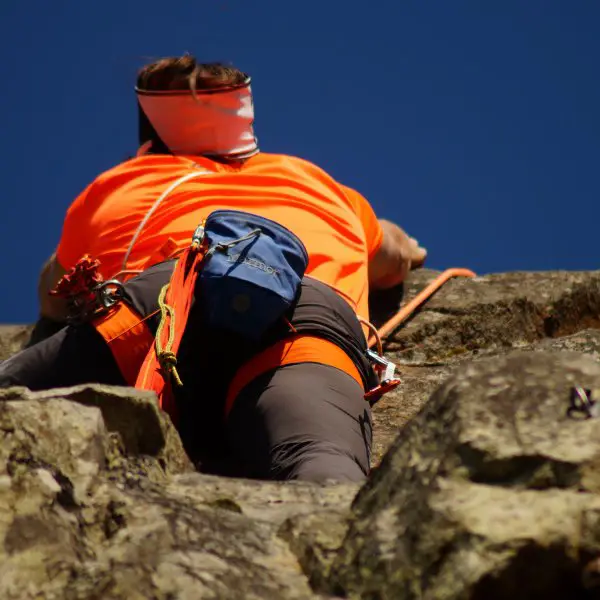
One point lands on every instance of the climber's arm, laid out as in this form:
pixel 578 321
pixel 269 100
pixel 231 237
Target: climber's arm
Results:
pixel 51 307
pixel 73 244
pixel 392 253
pixel 397 255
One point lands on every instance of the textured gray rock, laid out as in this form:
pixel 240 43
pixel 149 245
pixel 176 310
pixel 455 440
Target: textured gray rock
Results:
pixel 495 311
pixel 144 432
pixel 490 492
pixel 469 318
pixel 487 490
pixel 418 382
pixel 83 516
pixel 13 338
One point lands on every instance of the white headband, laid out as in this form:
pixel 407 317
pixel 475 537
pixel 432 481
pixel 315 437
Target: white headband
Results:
pixel 217 122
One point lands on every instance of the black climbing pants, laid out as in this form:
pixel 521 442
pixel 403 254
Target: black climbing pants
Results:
pixel 303 421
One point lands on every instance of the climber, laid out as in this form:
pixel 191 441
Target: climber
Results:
pixel 198 154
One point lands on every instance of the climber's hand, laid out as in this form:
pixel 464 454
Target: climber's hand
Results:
pixel 398 254
pixel 415 253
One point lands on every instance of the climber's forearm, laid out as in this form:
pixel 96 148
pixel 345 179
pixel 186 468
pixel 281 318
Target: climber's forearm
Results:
pixel 392 262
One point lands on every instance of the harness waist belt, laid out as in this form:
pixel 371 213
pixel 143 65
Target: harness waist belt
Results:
pixel 296 349
pixel 128 338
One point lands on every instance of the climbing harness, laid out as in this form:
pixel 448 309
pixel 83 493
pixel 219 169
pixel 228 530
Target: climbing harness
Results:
pixel 150 361
pixel 297 348
pixel 128 337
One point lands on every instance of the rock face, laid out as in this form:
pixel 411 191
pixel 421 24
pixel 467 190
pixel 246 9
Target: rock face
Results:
pixel 483 487
pixel 468 318
pixel 12 339
pixel 491 491
pixel 96 507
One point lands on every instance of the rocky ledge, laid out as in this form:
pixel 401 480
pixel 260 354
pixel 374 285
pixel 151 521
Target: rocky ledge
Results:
pixel 485 485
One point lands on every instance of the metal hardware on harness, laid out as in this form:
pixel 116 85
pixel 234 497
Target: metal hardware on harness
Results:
pixel 383 367
pixel 109 292
pixel 379 360
pixel 386 370
pixel 198 236
pixel 582 405
pixel 382 364
pixel 85 292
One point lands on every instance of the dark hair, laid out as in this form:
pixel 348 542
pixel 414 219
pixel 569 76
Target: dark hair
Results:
pixel 180 73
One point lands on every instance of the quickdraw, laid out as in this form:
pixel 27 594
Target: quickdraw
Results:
pixel 89 296
pixel 384 368
pixel 86 292
pixel 386 372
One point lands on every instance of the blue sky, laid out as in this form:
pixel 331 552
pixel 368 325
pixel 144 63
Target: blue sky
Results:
pixel 475 125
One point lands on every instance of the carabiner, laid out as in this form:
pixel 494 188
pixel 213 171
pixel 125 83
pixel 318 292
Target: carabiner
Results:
pixel 382 364
pixel 109 293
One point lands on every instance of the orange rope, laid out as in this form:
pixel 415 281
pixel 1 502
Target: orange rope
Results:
pixel 419 299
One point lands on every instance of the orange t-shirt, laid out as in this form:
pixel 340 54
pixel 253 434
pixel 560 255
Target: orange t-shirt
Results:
pixel 336 224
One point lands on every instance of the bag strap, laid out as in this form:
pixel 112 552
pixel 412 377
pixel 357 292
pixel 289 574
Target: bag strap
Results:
pixel 152 210
pixel 128 337
pixel 159 367
pixel 297 348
